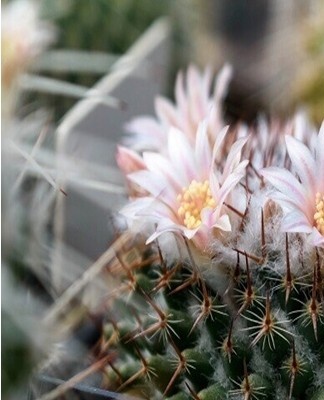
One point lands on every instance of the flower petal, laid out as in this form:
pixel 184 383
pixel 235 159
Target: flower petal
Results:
pixel 286 183
pixel 296 221
pixel 203 151
pixel 128 160
pixel 207 217
pixel 182 103
pixel 169 226
pixel 219 141
pixel 161 165
pixel 148 134
pixel 196 100
pixel 205 86
pixel 319 152
pixel 213 184
pixel 166 112
pixel 180 94
pixel 222 81
pixel 155 184
pixel 181 155
pixel 304 164
pixel 223 223
pixel 231 181
pixel 132 209
pixel 317 238
pixel 233 157
pixel 220 91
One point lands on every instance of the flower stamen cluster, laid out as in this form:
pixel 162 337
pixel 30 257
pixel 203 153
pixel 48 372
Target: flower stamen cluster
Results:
pixel 319 214
pixel 193 199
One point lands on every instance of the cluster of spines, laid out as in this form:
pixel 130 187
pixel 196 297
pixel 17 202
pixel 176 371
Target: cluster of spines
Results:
pixel 161 312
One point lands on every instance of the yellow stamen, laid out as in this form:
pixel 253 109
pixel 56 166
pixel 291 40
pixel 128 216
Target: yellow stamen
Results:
pixel 319 214
pixel 192 200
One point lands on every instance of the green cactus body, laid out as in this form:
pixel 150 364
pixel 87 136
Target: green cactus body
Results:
pixel 174 350
pixel 213 392
pixel 318 395
pixel 179 396
pixel 198 369
pixel 297 373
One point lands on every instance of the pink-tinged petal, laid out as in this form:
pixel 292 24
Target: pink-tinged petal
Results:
pixel 220 91
pixel 207 217
pixel 222 82
pixel 181 155
pixel 303 163
pixel 213 184
pixel 300 126
pixel 180 94
pixel 196 99
pixel 190 233
pixel 296 221
pixel 156 185
pixel 223 223
pixel 317 238
pixel 166 112
pixel 284 200
pixel 203 151
pixel 231 181
pixel 144 125
pixel 289 204
pixel 128 161
pixel 169 226
pixel 146 134
pixel 158 211
pixel 286 183
pixel 182 103
pixel 132 209
pixel 158 164
pixel 243 132
pixel 164 225
pixel 234 157
pixel 205 86
pixel 219 141
pixel 319 152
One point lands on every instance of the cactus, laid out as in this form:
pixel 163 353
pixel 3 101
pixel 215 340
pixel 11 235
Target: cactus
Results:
pixel 218 280
pixel 179 338
pixel 205 311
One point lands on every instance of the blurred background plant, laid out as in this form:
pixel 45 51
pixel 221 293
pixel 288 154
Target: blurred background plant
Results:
pixel 92 35
pixel 310 79
pixel 38 85
pixel 275 48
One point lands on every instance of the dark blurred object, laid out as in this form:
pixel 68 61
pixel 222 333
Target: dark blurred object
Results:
pixel 241 22
pixel 263 41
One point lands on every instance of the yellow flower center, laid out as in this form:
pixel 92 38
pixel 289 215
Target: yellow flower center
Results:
pixel 192 200
pixel 319 214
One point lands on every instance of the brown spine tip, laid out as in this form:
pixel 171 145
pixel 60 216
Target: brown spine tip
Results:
pixel 288 283
pixel 193 394
pixel 293 370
